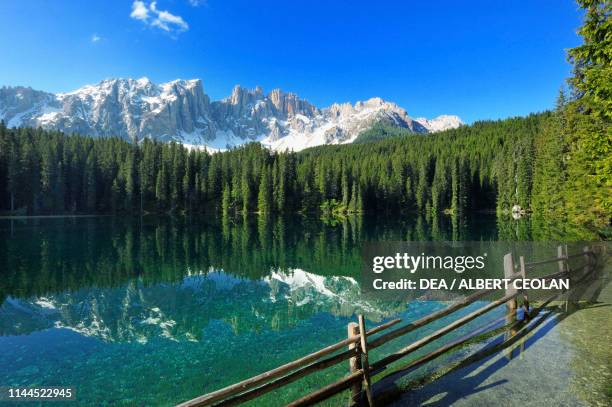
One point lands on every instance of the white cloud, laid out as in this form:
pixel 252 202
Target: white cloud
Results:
pixel 95 38
pixel 197 3
pixel 154 17
pixel 166 21
pixel 139 11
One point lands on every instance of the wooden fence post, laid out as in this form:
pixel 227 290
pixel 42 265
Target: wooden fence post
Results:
pixel 510 304
pixel 561 257
pixel 590 265
pixel 563 267
pixel 509 273
pixel 365 362
pixel 587 259
pixel 523 273
pixel 354 364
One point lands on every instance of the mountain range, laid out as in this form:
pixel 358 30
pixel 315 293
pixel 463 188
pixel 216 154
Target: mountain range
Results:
pixel 180 110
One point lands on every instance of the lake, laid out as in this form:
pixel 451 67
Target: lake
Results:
pixel 150 311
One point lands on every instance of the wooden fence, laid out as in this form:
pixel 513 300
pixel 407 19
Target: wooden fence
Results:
pixel 357 346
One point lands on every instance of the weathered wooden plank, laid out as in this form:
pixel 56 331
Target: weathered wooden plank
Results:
pixel 510 273
pixel 354 364
pixel 365 363
pixel 328 391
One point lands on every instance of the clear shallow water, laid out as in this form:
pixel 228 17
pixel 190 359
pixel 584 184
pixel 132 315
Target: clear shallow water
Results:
pixel 158 311
pixel 564 361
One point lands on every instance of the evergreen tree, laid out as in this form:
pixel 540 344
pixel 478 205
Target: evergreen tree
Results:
pixel 264 197
pixel 130 180
pixel 360 206
pixel 13 174
pixel 589 120
pixel 226 200
pixel 345 190
pixel 352 206
pixel 161 187
pixel 245 186
pixel 90 182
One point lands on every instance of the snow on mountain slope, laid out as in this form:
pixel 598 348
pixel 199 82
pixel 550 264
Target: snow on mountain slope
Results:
pixel 440 123
pixel 339 124
pixel 179 110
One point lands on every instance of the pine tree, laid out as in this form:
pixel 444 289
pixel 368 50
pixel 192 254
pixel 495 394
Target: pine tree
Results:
pixel 31 176
pixel 226 200
pixel 352 205
pixel 550 173
pixel 280 187
pixel 90 182
pixel 360 205
pixel 264 197
pixel 14 174
pixel 421 190
pixel 188 181
pixel 345 190
pixel 161 188
pixel 49 175
pixel 130 180
pixel 245 186
pixel 116 192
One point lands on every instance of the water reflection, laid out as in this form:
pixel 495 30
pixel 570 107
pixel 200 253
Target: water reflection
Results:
pixel 42 256
pixel 96 302
pixel 180 311
pixel 127 280
pixel 113 305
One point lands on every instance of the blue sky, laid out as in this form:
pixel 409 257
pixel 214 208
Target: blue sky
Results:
pixel 476 59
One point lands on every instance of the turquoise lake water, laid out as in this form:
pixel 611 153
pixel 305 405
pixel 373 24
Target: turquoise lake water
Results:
pixel 158 311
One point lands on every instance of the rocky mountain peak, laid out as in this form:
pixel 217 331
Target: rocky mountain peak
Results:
pixel 180 110
pixel 289 104
pixel 440 123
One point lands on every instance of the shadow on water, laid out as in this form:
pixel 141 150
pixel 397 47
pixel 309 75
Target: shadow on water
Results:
pixel 471 371
pixel 459 381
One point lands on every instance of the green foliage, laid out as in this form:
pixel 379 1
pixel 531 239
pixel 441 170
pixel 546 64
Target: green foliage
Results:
pixel 264 197
pixel 455 171
pixel 588 121
pixel 573 162
pixel 557 165
pixel 380 131
pixel 592 79
pixel 550 170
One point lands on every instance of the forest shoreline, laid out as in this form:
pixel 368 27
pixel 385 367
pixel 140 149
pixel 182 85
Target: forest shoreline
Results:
pixel 53 216
pixel 313 215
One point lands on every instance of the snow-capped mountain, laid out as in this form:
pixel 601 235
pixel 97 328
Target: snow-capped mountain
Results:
pixel 180 110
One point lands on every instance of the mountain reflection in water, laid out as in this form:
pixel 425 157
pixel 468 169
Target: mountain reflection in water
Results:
pixel 156 311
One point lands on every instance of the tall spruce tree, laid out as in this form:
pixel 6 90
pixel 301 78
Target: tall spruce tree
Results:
pixel 264 197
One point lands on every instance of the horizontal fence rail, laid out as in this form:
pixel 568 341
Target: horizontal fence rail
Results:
pixel 554 260
pixel 213 397
pixel 356 347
